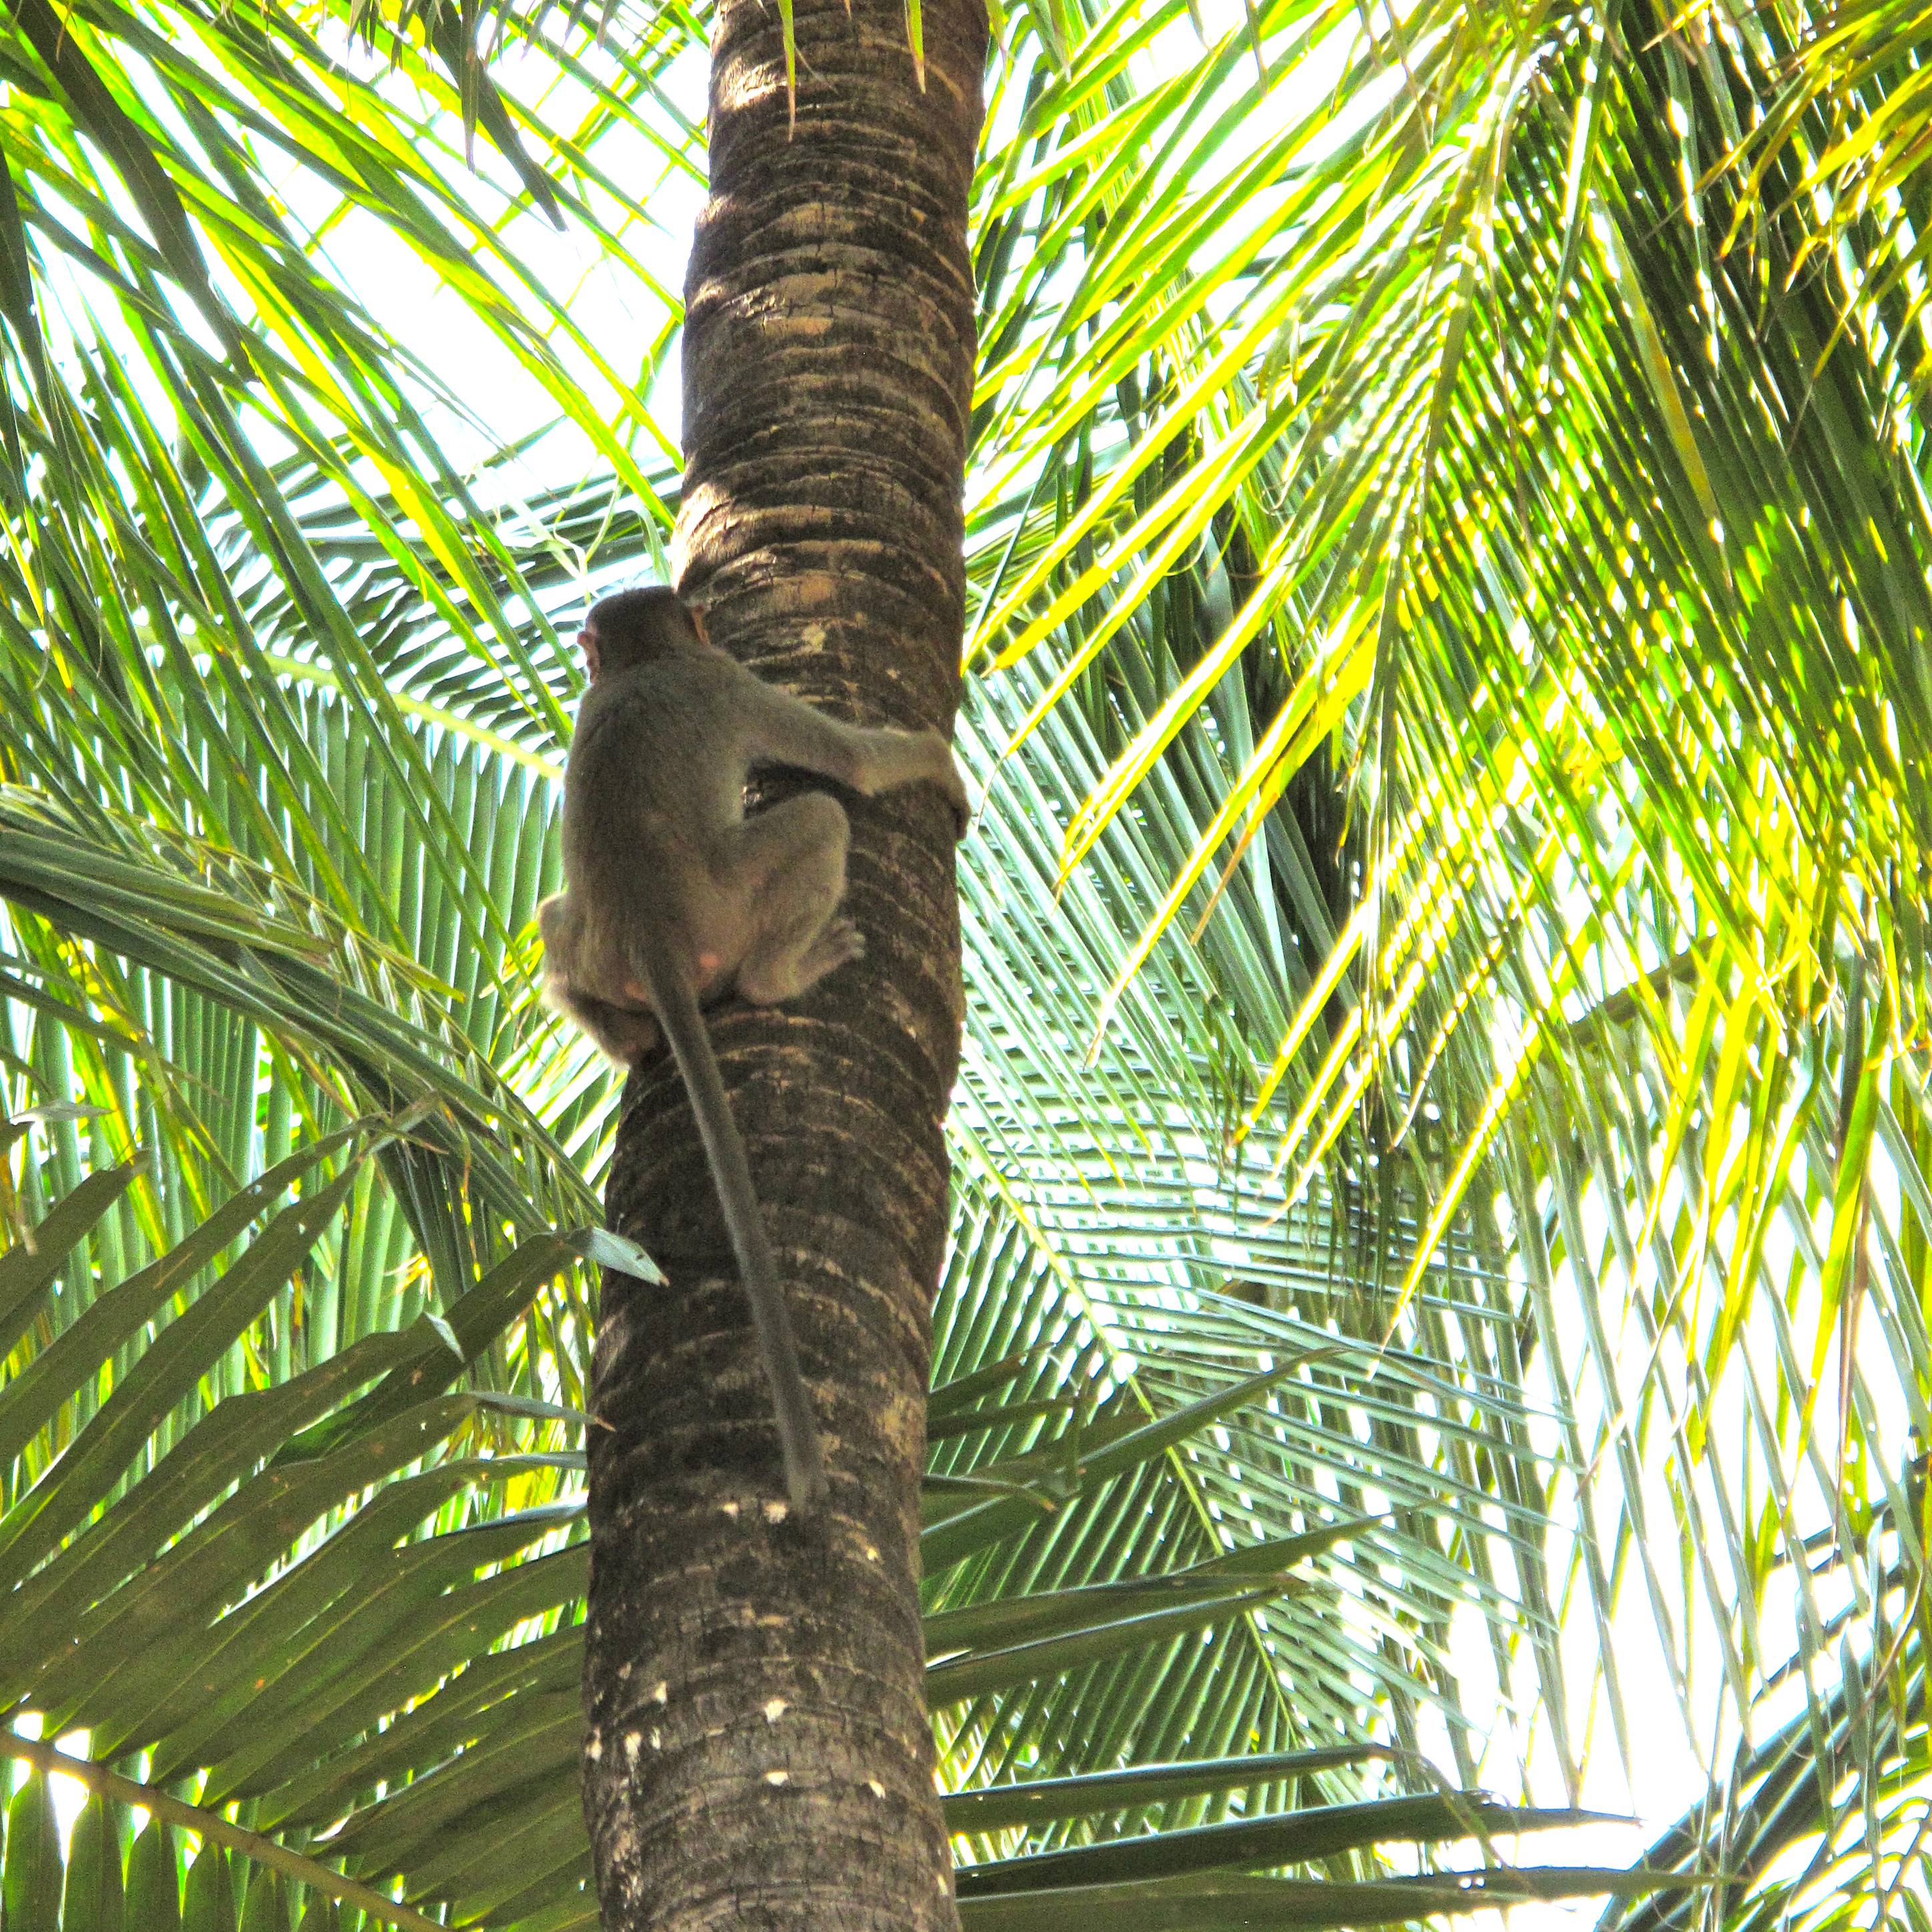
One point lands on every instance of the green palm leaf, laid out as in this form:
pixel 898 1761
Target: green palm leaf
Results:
pixel 1444 1163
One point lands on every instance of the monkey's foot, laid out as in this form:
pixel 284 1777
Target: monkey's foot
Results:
pixel 840 941
pixel 767 982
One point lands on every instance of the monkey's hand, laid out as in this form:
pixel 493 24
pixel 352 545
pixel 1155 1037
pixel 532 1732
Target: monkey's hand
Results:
pixel 884 759
pixel 931 758
pixel 954 787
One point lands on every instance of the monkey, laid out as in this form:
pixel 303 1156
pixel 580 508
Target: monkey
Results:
pixel 674 899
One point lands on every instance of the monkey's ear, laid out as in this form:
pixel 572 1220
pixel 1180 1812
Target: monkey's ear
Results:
pixel 587 642
pixel 696 612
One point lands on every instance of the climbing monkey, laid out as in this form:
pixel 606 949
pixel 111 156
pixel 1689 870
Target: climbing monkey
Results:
pixel 674 899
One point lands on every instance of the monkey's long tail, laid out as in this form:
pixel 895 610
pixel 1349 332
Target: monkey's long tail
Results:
pixel 676 1005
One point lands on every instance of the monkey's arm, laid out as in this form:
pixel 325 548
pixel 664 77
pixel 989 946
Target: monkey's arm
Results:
pixel 782 729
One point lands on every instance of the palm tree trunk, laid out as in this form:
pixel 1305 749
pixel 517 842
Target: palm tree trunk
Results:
pixel 758 1752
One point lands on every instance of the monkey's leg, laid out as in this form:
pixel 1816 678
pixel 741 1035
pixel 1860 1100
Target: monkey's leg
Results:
pixel 557 923
pixel 623 1033
pixel 786 869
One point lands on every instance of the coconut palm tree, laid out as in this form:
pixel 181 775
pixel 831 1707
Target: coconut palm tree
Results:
pixel 1431 1333
pixel 773 1662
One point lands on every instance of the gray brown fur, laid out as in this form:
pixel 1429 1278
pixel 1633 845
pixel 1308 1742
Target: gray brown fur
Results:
pixel 673 897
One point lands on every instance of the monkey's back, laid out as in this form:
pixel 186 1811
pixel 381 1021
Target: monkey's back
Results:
pixel 655 777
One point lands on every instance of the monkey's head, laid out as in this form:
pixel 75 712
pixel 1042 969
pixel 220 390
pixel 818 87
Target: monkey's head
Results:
pixel 633 627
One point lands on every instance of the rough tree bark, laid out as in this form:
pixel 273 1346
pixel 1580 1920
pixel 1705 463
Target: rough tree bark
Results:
pixel 758 1753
